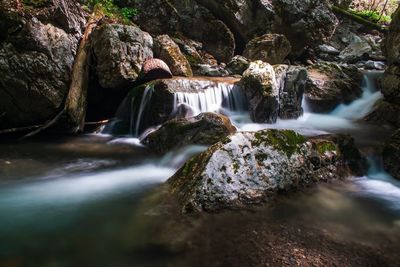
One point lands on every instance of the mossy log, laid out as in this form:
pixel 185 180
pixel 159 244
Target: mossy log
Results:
pixel 359 19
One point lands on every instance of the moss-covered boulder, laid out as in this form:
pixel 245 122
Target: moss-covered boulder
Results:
pixel 167 50
pixel 252 167
pixel 204 129
pixel 271 48
pixel 330 84
pixel 237 65
pixel 391 155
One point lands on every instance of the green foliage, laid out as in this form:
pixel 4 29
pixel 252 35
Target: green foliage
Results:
pixel 373 16
pixel 112 10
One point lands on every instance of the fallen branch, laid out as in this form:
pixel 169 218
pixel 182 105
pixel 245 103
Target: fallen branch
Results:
pixel 20 129
pixel 72 117
pixel 359 19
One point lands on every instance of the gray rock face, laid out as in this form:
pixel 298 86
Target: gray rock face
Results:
pixel 271 48
pixel 291 92
pixel 36 58
pixel 167 50
pixel 211 71
pixel 204 129
pixel 306 23
pixel 330 84
pixel 249 168
pixel 391 155
pixel 262 92
pixel 120 52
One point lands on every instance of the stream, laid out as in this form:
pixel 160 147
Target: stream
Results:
pixel 89 200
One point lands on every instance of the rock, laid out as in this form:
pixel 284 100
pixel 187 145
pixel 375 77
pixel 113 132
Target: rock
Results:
pixel 238 65
pixel 306 23
pixel 253 167
pixel 190 49
pixel 330 84
pixel 169 17
pixel 356 51
pixel 211 71
pixel 384 112
pixel 328 49
pixel 345 4
pixel 245 18
pixel 374 65
pixel 167 50
pixel 271 48
pixel 204 129
pixel 391 79
pixel 154 69
pixel 391 155
pixel 262 92
pixel 36 58
pixel 120 51
pixel 291 92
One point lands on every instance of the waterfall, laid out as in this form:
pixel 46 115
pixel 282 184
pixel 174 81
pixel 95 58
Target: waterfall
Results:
pixel 213 99
pixel 148 92
pixel 359 108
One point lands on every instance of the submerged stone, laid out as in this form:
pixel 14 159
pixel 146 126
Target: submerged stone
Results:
pixel 204 129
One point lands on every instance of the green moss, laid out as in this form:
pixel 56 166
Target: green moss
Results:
pixel 235 167
pixel 325 146
pixel 287 141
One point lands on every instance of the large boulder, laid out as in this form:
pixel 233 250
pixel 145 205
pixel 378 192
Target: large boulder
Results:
pixel 330 84
pixel 271 48
pixel 167 50
pixel 253 167
pixel 384 112
pixel 391 155
pixel 306 23
pixel 262 92
pixel 204 129
pixel 119 52
pixel 154 69
pixel 37 51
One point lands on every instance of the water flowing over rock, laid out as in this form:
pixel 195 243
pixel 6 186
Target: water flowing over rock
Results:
pixel 154 103
pixel 271 48
pixel 391 155
pixel 306 23
pixel 166 49
pixel 253 167
pixel 330 84
pixel 37 52
pixel 120 52
pixel 204 129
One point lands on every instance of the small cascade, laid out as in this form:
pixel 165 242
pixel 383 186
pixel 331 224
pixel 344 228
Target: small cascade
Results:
pixel 213 99
pixel 359 108
pixel 148 92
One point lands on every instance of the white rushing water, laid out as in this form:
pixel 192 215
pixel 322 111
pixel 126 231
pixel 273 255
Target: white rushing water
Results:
pixel 213 99
pixel 359 108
